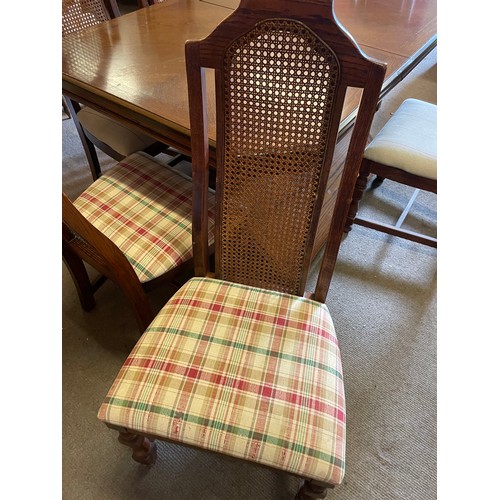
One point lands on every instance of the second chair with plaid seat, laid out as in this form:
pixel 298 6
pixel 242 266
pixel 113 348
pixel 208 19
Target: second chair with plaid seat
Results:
pixel 241 361
pixel 133 225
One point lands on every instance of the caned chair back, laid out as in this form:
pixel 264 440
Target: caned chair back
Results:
pixel 80 14
pixel 281 77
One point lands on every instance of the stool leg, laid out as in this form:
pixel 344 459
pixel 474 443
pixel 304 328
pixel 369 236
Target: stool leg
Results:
pixel 359 189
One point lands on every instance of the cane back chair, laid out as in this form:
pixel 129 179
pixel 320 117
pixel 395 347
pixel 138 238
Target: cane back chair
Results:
pixel 94 128
pixel 132 225
pixel 241 360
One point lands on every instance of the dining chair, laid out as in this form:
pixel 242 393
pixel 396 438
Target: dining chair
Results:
pixel 404 151
pixel 132 225
pixel 242 360
pixel 96 129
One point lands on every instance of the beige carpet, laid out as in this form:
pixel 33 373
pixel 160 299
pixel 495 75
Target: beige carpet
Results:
pixel 383 301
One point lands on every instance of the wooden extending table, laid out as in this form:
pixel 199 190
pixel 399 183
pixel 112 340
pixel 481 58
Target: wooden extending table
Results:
pixel 132 67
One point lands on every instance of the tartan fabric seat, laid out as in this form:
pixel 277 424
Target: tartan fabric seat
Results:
pixel 145 209
pixel 247 372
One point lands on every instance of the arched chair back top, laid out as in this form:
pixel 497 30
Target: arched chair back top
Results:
pixel 281 76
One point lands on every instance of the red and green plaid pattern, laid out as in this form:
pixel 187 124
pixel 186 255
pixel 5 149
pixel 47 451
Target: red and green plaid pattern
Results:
pixel 145 209
pixel 243 371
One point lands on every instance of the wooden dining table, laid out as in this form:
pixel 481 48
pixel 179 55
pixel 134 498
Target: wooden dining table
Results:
pixel 132 68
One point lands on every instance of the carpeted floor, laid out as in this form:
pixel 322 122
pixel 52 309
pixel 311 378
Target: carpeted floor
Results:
pixel 383 301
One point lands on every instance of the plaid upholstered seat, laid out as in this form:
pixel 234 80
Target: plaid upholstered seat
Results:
pixel 247 372
pixel 145 209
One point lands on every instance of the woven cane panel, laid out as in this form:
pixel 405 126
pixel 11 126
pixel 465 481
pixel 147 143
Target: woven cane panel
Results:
pixel 280 81
pixel 80 14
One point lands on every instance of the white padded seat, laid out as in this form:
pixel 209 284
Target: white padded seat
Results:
pixel 117 136
pixel 408 141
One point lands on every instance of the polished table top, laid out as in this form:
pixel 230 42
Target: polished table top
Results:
pixel 133 67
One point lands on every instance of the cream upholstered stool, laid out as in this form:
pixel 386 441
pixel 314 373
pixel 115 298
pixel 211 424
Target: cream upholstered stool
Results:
pixel 404 151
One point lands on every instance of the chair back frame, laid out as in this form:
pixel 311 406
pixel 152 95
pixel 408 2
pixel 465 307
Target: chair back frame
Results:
pixel 353 69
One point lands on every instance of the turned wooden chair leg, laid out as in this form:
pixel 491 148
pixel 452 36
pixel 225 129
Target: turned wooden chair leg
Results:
pixel 359 189
pixel 312 489
pixel 143 448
